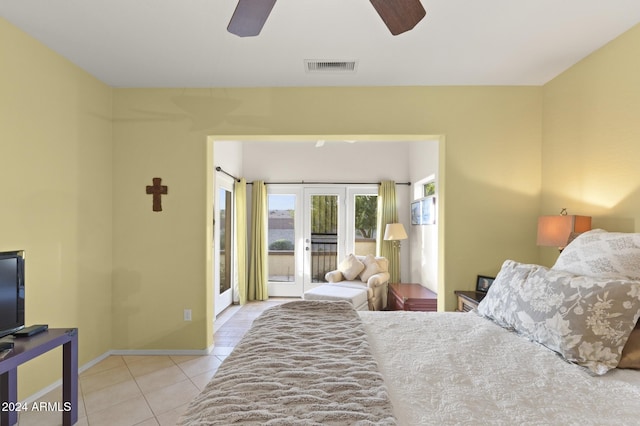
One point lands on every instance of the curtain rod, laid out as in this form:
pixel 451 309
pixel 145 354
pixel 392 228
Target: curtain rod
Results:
pixel 302 182
pixel 219 169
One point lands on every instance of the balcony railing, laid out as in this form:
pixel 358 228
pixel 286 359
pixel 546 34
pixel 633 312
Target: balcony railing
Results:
pixel 324 254
pixel 323 259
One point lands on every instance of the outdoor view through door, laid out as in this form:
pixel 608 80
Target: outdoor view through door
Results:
pixel 323 241
pixel 223 244
pixel 311 229
pixel 282 237
pixel 225 240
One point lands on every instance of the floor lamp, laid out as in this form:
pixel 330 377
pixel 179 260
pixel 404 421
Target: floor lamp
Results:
pixel 395 232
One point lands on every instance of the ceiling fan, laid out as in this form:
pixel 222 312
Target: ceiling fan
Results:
pixel 398 15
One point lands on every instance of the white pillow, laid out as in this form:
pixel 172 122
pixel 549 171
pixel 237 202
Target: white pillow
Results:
pixel 351 267
pixel 372 267
pixel 601 254
pixel 384 263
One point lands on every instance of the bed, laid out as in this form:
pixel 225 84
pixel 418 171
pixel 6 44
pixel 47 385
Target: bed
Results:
pixel 545 347
pixel 488 375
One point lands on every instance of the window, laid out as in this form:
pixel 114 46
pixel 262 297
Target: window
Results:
pixel 429 189
pixel 365 222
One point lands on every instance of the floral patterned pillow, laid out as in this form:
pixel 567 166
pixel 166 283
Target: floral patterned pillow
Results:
pixel 599 253
pixel 586 320
pixel 501 303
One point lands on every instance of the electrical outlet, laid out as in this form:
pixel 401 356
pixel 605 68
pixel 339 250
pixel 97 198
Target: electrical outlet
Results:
pixel 187 314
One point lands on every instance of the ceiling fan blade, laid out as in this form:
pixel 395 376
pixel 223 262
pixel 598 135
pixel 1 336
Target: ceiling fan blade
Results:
pixel 399 15
pixel 249 17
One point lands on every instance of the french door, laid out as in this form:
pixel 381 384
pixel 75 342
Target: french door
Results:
pixel 223 243
pixel 307 236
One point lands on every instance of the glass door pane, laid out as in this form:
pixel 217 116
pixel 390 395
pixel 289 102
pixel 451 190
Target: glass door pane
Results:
pixel 324 233
pixel 223 250
pixel 284 240
pixel 226 232
pixel 324 236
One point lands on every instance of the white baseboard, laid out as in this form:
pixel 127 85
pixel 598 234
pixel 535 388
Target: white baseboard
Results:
pixel 42 392
pixel 162 351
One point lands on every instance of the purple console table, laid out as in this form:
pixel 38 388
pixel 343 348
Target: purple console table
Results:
pixel 27 348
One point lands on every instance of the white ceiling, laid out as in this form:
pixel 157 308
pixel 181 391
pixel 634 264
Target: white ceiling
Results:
pixel 184 43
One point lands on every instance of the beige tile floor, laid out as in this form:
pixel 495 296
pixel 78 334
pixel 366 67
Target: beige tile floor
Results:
pixel 149 390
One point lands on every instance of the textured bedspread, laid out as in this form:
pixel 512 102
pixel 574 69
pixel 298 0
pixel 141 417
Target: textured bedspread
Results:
pixel 301 363
pixel 461 369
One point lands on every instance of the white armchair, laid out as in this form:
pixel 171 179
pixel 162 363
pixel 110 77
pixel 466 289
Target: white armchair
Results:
pixel 364 271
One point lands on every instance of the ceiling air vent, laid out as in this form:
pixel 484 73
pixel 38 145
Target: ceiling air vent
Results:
pixel 316 66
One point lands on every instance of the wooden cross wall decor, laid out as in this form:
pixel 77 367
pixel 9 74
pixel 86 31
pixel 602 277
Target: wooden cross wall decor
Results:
pixel 157 190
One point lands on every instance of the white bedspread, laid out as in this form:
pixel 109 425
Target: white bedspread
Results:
pixel 453 368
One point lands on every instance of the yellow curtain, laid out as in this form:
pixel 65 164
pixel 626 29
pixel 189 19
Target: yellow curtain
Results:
pixel 240 191
pixel 258 256
pixel 388 213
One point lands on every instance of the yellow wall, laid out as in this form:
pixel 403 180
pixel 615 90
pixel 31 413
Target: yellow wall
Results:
pixel 56 201
pixel 492 182
pixel 159 257
pixel 591 139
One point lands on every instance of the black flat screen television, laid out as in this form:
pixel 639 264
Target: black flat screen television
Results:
pixel 11 292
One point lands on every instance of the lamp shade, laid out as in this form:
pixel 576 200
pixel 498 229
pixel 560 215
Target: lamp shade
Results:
pixel 555 231
pixel 395 231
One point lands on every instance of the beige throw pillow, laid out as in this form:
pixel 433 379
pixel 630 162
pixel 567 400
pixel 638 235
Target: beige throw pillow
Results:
pixel 351 267
pixel 631 352
pixel 372 267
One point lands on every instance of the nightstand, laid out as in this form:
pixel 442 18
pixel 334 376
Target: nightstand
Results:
pixel 468 300
pixel 411 297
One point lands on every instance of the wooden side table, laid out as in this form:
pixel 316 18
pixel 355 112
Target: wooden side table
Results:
pixel 411 297
pixel 27 348
pixel 468 300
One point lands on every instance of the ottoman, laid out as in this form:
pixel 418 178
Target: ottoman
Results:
pixel 357 295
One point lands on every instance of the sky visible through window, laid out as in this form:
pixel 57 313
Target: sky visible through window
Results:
pixel 282 202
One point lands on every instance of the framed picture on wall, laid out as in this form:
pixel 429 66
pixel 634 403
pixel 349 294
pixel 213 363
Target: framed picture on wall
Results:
pixel 428 209
pixel 416 213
